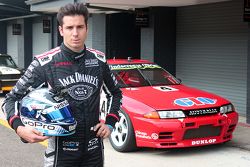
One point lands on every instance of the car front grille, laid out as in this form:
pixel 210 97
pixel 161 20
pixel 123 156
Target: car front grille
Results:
pixel 165 135
pixel 10 76
pixel 201 112
pixel 202 131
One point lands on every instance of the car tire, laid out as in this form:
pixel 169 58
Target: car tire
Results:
pixel 122 138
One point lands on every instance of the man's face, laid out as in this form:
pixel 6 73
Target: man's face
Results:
pixel 74 32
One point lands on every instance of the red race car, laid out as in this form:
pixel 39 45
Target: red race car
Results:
pixel 158 111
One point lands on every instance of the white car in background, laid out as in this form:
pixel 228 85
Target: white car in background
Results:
pixel 9 73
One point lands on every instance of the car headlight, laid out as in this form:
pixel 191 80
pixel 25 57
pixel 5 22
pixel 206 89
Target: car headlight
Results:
pixel 226 109
pixel 165 114
pixel 171 114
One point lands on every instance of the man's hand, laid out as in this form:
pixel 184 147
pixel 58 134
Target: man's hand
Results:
pixel 102 130
pixel 30 135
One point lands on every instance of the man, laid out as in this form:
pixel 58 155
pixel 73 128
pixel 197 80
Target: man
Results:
pixel 83 72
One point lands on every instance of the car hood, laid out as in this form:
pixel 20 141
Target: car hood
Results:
pixel 173 97
pixel 8 70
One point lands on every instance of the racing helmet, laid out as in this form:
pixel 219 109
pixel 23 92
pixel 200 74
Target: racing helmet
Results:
pixel 47 112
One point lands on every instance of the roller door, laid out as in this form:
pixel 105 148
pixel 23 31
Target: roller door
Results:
pixel 211 50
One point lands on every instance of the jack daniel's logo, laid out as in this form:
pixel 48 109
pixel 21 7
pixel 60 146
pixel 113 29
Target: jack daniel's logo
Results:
pixel 80 92
pixel 77 77
pixel 82 85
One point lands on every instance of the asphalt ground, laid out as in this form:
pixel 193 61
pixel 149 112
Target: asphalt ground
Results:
pixel 14 153
pixel 241 135
pixel 236 153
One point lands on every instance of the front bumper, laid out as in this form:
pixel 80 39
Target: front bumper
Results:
pixel 7 84
pixel 188 132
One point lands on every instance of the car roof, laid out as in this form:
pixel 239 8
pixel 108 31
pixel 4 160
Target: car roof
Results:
pixel 127 61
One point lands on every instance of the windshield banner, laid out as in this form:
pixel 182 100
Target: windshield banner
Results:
pixel 133 66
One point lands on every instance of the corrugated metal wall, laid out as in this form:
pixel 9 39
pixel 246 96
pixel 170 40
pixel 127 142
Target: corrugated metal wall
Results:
pixel 211 49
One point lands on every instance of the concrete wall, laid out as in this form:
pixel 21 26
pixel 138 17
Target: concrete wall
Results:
pixel 41 41
pixel 88 41
pixel 15 43
pixel 99 32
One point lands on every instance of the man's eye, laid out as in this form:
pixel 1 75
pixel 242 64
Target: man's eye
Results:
pixel 81 27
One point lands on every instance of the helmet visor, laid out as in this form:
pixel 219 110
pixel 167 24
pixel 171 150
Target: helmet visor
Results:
pixel 60 114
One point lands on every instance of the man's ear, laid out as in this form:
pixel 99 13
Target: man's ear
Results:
pixel 60 30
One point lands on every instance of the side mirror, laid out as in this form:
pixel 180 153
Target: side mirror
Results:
pixel 179 80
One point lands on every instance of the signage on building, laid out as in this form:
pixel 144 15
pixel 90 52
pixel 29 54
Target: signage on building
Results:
pixel 16 29
pixel 46 26
pixel 142 17
pixel 246 10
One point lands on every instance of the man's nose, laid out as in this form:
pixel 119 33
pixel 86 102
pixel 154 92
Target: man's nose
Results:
pixel 75 31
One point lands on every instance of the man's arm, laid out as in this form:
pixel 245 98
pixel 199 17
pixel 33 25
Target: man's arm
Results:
pixel 114 96
pixel 32 78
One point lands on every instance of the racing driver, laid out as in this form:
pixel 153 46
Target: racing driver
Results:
pixel 83 72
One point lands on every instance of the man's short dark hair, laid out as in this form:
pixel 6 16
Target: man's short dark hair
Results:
pixel 72 9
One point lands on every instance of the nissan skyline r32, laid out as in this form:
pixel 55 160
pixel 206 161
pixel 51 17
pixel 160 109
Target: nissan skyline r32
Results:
pixel 158 111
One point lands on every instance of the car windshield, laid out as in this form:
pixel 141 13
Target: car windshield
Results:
pixel 7 62
pixel 138 75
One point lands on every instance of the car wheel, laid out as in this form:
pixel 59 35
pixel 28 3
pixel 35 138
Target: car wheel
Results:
pixel 122 138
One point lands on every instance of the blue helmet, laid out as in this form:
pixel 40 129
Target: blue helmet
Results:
pixel 48 113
